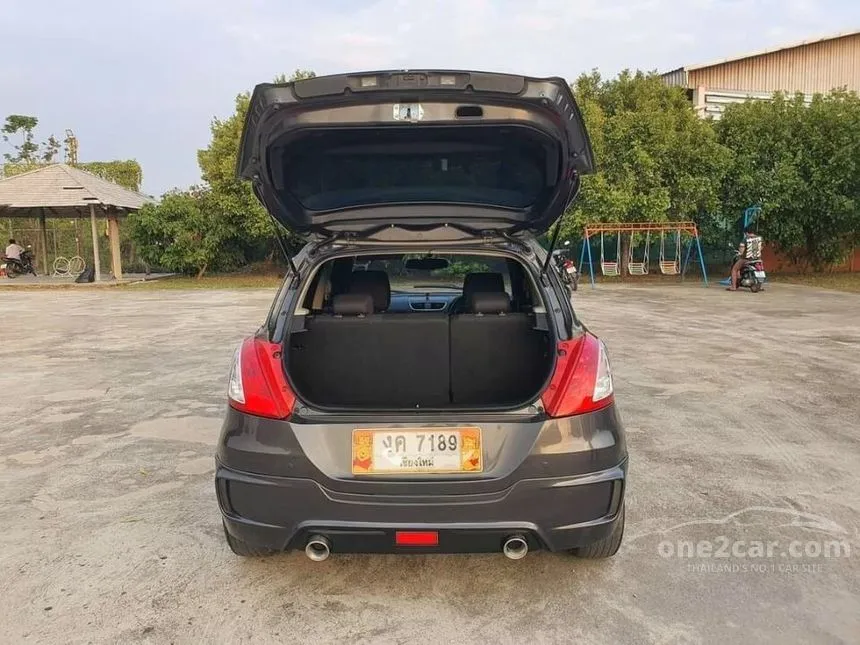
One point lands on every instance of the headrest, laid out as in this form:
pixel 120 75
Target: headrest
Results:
pixel 352 304
pixel 489 303
pixel 486 282
pixel 374 283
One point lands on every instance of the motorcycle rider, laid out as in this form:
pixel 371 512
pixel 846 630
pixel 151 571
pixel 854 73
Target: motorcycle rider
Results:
pixel 13 251
pixel 749 250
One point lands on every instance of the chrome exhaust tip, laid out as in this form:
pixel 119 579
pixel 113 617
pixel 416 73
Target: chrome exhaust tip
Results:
pixel 318 548
pixel 515 547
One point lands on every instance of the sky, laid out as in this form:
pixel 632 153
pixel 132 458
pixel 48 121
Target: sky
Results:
pixel 143 80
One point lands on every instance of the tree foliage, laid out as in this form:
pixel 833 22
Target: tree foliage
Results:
pixel 27 151
pixel 218 169
pixel 126 173
pixel 656 160
pixel 801 163
pixel 187 232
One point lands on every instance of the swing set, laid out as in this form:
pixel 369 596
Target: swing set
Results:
pixel 638 262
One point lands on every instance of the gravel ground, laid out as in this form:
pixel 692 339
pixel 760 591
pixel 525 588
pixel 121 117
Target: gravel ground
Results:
pixel 743 417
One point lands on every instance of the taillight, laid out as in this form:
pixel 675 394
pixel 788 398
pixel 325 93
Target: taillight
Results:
pixel 257 384
pixel 582 381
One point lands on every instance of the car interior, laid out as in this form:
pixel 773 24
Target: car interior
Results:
pixel 439 338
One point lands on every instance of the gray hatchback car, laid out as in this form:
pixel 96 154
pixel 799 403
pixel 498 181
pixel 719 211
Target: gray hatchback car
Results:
pixel 422 383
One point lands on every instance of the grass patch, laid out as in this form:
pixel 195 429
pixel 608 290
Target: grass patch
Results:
pixel 849 282
pixel 224 281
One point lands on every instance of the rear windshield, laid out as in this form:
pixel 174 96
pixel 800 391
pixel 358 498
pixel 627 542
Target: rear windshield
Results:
pixel 508 168
pixel 410 276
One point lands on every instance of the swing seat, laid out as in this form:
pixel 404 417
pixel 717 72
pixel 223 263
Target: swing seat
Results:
pixel 670 268
pixel 637 268
pixel 609 268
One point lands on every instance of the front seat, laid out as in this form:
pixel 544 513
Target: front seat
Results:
pixel 373 283
pixel 473 283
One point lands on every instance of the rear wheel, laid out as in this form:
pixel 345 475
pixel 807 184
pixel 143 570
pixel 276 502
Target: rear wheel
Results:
pixel 608 546
pixel 242 548
pixel 755 287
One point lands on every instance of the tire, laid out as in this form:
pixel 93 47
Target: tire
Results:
pixel 605 548
pixel 755 287
pixel 243 549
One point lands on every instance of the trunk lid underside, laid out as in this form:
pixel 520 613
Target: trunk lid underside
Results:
pixel 415 150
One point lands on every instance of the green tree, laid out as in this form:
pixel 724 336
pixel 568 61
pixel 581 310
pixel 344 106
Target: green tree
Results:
pixel 187 232
pixel 801 163
pixel 50 149
pixel 27 150
pixel 218 169
pixel 656 160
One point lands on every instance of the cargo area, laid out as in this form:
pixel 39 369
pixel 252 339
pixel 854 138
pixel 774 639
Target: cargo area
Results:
pixel 362 345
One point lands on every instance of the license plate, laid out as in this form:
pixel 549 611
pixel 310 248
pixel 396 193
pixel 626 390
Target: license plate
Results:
pixel 421 450
pixel 760 275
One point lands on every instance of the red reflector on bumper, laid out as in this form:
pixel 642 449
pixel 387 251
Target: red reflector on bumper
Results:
pixel 416 538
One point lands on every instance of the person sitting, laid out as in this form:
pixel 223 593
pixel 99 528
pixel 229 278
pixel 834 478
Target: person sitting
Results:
pixel 749 250
pixel 13 251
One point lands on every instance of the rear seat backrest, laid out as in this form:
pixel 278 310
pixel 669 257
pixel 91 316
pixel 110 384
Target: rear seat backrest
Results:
pixel 352 304
pixel 493 352
pixel 357 358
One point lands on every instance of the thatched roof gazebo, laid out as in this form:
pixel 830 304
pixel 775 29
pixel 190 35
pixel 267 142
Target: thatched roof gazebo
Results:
pixel 61 191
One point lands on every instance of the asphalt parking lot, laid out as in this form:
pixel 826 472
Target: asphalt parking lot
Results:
pixel 743 414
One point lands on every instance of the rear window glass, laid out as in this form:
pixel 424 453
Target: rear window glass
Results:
pixel 326 172
pixel 403 278
pixel 410 276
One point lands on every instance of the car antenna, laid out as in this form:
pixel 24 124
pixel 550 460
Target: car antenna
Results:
pixel 551 248
pixel 283 246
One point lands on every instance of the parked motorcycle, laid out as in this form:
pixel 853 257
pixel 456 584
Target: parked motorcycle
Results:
pixel 14 267
pixel 566 266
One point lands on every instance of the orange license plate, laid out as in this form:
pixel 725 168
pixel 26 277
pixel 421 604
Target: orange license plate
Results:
pixel 417 450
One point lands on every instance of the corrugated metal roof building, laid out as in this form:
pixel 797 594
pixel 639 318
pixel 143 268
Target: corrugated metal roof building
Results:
pixel 810 67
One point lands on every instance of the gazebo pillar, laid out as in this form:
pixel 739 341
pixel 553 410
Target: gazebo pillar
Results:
pixel 95 232
pixel 43 233
pixel 115 257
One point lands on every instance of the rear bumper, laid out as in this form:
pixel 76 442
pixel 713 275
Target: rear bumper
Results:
pixel 557 500
pixel 554 514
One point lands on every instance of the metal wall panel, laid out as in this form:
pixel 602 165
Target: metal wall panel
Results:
pixel 675 78
pixel 817 67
